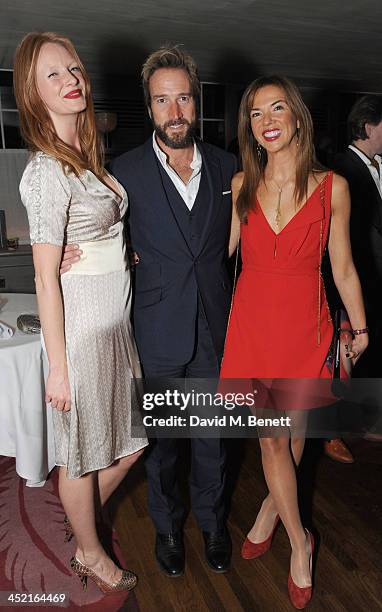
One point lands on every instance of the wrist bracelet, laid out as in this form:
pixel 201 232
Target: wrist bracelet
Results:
pixel 357 332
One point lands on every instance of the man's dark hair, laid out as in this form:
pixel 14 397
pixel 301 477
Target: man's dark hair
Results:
pixel 367 109
pixel 170 57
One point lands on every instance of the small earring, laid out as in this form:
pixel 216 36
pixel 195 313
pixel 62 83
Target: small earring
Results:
pixel 298 136
pixel 259 149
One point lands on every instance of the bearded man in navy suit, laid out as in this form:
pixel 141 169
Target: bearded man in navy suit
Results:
pixel 179 191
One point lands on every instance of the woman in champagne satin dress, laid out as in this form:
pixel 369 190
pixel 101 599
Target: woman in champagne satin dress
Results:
pixel 286 209
pixel 85 316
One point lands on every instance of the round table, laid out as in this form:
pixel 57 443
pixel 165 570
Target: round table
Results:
pixel 26 430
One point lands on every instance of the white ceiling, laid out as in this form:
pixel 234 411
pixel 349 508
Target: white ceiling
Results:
pixel 316 41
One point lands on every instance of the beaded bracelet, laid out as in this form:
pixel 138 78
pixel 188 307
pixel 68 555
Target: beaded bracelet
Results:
pixel 357 332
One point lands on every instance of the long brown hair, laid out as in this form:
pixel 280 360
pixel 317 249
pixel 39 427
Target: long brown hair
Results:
pixel 36 125
pixel 254 157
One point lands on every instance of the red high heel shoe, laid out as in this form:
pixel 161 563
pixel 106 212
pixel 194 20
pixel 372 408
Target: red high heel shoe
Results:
pixel 252 550
pixel 301 596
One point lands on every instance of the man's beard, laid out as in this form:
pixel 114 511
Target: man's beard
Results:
pixel 177 141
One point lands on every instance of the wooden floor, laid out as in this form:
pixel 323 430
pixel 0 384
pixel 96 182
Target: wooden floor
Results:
pixel 342 503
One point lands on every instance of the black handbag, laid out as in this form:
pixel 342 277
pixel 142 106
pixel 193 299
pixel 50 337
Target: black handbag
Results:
pixel 337 353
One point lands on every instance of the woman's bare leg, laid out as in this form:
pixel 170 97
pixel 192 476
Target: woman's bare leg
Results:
pixel 280 475
pixel 267 513
pixel 109 478
pixel 296 432
pixel 77 497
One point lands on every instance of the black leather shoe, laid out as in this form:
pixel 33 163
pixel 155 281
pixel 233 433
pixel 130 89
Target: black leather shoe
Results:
pixel 169 552
pixel 218 549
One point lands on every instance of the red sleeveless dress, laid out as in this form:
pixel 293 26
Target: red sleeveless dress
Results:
pixel 280 326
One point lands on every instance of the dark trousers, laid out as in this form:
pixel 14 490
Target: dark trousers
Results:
pixel 207 454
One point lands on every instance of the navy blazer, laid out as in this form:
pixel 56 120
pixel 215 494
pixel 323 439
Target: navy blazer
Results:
pixel 169 276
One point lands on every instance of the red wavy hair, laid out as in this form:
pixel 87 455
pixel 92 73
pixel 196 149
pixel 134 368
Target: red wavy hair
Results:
pixel 36 126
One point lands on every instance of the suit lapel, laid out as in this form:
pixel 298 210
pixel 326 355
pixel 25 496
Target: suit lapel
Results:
pixel 212 169
pixel 371 189
pixel 164 208
pixel 366 176
pixel 156 192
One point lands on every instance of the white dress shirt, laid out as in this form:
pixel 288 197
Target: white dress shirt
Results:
pixel 373 171
pixel 188 191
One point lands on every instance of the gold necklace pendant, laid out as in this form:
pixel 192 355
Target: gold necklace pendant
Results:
pixel 278 207
pixel 278 210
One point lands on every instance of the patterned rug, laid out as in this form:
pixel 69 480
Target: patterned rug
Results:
pixel 33 555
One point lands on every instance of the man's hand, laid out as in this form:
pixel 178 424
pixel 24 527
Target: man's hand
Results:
pixel 70 255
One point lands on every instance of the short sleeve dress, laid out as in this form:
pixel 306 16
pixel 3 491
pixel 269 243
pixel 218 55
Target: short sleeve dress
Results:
pixel 102 358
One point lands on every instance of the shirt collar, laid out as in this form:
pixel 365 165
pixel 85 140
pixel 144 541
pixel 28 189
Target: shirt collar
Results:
pixel 196 163
pixel 364 157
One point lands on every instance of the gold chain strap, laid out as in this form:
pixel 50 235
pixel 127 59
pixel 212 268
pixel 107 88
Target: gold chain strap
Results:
pixel 320 280
pixel 233 292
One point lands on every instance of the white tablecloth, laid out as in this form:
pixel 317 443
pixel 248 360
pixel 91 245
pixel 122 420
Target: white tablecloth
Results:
pixel 26 430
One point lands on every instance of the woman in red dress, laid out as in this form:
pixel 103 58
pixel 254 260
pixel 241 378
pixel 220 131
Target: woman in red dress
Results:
pixel 286 209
